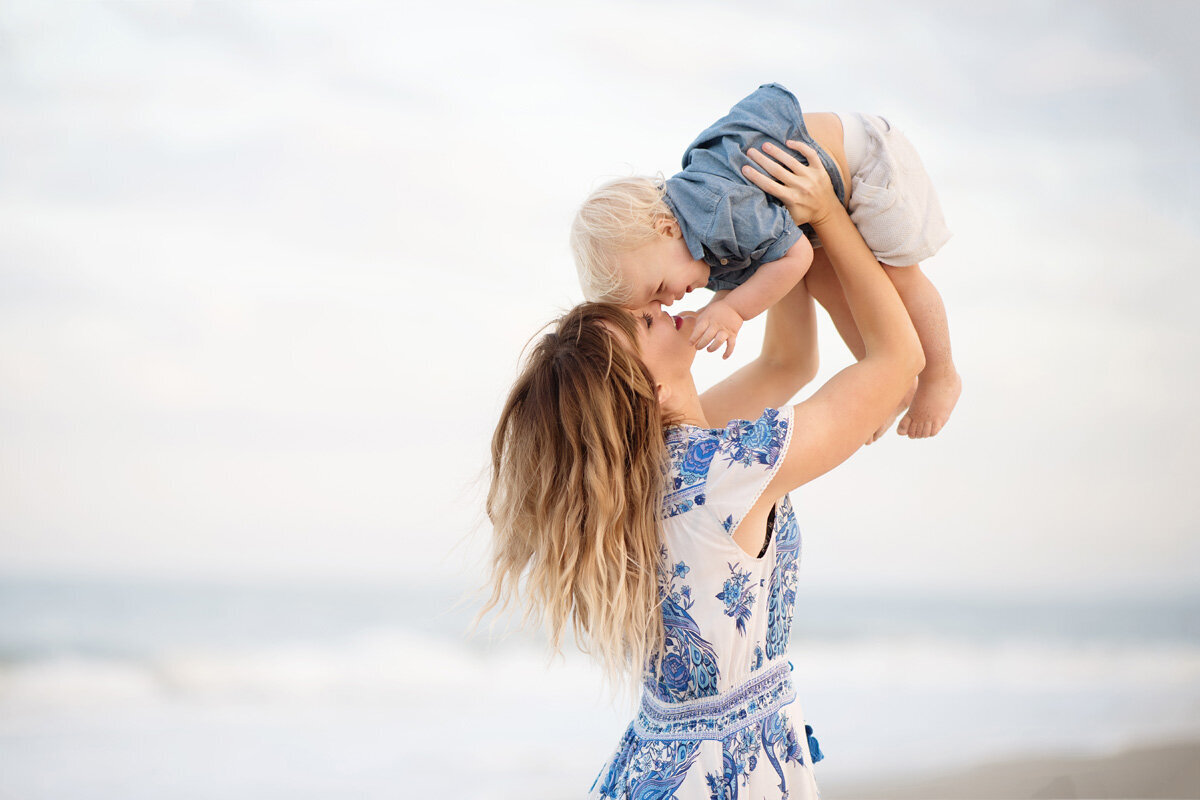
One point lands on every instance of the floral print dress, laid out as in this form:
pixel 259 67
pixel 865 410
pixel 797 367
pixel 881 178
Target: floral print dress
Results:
pixel 718 718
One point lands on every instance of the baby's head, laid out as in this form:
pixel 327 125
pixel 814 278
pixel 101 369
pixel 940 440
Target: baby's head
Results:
pixel 629 248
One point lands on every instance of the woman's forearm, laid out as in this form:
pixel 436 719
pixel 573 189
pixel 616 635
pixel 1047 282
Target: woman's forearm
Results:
pixel 787 362
pixel 790 341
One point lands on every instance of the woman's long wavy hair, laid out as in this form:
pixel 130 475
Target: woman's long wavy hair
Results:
pixel 576 491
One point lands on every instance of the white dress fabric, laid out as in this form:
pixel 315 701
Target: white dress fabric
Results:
pixel 718 718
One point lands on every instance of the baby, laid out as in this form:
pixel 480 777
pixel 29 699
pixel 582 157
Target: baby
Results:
pixel 639 240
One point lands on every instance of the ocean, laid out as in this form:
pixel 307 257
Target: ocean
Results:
pixel 198 690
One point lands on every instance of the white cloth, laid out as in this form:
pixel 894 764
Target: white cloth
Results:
pixel 892 200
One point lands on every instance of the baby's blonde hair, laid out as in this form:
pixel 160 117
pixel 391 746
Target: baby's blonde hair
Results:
pixel 618 216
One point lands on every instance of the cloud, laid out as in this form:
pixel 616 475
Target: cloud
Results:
pixel 266 272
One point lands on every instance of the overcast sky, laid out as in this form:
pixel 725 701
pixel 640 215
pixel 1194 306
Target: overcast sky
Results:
pixel 266 270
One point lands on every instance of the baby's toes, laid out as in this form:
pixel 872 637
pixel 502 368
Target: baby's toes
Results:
pixel 906 422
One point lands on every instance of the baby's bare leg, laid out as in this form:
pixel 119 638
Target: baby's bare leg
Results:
pixel 827 289
pixel 938 385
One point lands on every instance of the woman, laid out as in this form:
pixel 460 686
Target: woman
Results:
pixel 685 576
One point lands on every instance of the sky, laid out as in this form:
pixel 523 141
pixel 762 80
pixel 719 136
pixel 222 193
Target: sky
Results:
pixel 266 271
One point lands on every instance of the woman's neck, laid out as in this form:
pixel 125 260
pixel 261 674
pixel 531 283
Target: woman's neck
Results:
pixel 685 408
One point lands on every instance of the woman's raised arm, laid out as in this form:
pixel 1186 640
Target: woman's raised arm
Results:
pixel 787 362
pixel 841 416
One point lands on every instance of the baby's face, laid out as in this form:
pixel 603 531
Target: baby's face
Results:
pixel 661 270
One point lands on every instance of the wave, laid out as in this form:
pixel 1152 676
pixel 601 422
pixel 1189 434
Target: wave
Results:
pixel 402 665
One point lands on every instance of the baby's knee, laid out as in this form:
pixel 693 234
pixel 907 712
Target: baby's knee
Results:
pixel 904 276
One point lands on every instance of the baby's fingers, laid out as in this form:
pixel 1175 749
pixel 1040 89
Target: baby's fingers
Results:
pixel 717 341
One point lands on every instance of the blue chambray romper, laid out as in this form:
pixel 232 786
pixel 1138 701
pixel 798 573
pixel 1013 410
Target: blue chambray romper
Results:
pixel 726 221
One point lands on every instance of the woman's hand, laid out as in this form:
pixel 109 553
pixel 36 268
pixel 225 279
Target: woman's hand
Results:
pixel 805 191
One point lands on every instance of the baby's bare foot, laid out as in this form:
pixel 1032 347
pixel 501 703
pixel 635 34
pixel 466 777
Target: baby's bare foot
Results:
pixel 882 429
pixel 931 406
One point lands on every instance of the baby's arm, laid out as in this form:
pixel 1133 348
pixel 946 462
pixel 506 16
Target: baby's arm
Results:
pixel 718 323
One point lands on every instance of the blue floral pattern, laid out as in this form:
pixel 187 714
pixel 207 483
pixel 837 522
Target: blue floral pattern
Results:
pixel 647 769
pixel 779 744
pixel 739 599
pixel 781 589
pixel 689 459
pixel 689 662
pixel 739 758
pixel 721 676
pixel 757 442
pixel 679 592
pixel 774 738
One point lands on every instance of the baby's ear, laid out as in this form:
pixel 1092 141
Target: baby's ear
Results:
pixel 668 226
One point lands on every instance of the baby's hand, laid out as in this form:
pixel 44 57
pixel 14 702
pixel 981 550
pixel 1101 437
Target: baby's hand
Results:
pixel 717 324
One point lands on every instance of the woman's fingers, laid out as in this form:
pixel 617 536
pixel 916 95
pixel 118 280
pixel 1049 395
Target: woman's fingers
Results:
pixel 773 167
pixel 762 181
pixel 789 160
pixel 802 188
pixel 810 153
pixel 815 169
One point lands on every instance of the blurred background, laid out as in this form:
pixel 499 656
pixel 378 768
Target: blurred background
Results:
pixel 266 270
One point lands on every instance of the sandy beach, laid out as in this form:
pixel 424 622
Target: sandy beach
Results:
pixel 1167 770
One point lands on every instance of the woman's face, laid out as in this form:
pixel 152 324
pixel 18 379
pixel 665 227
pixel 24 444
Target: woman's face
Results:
pixel 666 351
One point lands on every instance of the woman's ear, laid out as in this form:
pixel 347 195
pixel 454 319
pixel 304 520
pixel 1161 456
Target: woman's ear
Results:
pixel 663 393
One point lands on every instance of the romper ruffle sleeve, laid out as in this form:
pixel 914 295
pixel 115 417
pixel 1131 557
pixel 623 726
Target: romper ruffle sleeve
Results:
pixel 732 226
pixel 727 221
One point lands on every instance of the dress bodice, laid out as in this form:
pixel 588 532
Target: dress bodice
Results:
pixel 726 614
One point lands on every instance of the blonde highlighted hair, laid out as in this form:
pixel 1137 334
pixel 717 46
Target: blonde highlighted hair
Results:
pixel 577 480
pixel 620 215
